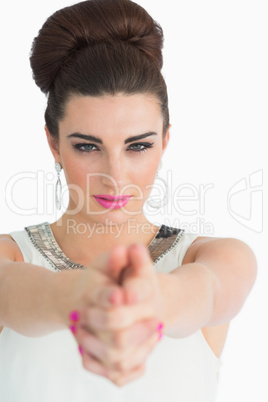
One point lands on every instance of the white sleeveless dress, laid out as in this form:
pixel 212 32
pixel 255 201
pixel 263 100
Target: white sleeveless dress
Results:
pixel 49 368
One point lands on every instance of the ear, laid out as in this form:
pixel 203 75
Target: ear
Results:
pixel 53 145
pixel 166 140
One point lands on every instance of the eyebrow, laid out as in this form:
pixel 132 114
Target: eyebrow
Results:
pixel 98 140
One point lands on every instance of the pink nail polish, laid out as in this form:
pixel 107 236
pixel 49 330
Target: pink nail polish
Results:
pixel 80 350
pixel 160 327
pixel 73 328
pixel 113 297
pixel 74 315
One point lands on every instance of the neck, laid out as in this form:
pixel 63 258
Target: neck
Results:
pixel 84 238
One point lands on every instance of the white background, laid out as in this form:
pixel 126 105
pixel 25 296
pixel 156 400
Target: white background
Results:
pixel 215 66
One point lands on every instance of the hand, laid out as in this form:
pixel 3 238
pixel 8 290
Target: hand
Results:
pixel 118 355
pixel 137 296
pixel 120 329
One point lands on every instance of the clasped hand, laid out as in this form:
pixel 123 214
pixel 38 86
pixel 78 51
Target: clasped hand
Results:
pixel 120 313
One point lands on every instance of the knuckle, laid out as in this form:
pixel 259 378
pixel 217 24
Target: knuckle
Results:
pixel 86 363
pixel 120 366
pixel 84 337
pixel 92 365
pixel 99 319
pixel 117 317
pixel 114 318
pixel 108 319
pixel 113 376
pixel 112 358
pixel 118 340
pixel 89 316
pixel 108 356
pixel 115 361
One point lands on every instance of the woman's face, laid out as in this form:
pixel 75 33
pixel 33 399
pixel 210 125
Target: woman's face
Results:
pixel 112 163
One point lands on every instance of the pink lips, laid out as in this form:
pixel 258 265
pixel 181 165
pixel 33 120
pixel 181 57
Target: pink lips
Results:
pixel 112 202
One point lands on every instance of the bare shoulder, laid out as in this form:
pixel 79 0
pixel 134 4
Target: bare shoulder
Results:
pixel 9 250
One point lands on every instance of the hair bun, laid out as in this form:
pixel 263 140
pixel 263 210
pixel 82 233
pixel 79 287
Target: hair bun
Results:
pixel 87 23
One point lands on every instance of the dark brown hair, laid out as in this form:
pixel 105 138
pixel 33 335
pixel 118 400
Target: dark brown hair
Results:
pixel 95 48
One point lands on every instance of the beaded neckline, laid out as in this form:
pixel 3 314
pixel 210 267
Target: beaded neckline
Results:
pixel 44 241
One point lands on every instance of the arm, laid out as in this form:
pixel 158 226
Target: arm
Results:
pixel 210 287
pixel 35 301
pixel 207 290
pixel 27 293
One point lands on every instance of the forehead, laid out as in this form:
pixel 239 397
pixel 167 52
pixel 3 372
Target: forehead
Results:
pixel 108 113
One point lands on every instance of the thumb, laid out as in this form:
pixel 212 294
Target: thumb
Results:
pixel 118 261
pixel 137 278
pixel 112 263
pixel 140 258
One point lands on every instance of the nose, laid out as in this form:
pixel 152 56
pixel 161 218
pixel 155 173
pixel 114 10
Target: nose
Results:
pixel 113 174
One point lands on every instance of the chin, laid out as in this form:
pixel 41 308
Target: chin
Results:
pixel 113 217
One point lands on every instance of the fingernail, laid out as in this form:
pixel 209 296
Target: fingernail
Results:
pixel 160 336
pixel 138 246
pixel 74 315
pixel 160 326
pixel 73 328
pixel 80 350
pixel 113 298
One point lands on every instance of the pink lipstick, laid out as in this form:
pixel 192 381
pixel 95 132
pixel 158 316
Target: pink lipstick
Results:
pixel 112 202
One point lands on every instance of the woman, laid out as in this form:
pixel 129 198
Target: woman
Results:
pixel 147 307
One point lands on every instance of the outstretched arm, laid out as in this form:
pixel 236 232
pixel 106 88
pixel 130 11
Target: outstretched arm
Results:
pixel 210 287
pixel 35 301
pixel 207 290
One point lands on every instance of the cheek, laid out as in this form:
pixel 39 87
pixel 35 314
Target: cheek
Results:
pixel 142 180
pixel 75 175
pixel 75 170
pixel 149 179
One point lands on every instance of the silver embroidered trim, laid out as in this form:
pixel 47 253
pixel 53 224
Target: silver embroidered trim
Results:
pixel 44 241
pixel 175 242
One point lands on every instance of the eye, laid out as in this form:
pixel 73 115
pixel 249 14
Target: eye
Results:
pixel 145 145
pixel 138 147
pixel 84 147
